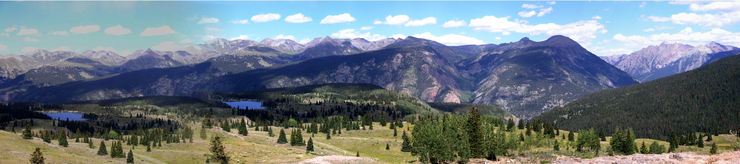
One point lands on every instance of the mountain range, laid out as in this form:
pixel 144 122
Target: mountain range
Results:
pixel 524 77
pixel 657 61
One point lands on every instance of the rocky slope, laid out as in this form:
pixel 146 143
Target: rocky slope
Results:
pixel 666 59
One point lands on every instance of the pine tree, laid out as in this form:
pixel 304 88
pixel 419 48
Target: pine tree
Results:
pixel 27 134
pixel 713 150
pixel 571 136
pixel 557 146
pixel 328 136
pixel 102 150
pixel 520 125
pixel 63 140
pixel 709 138
pixel 700 142
pixel 395 132
pixel 218 153
pixel 309 146
pixel 243 128
pixel 643 149
pixel 656 148
pixel 387 146
pixel 406 145
pixel 90 144
pixel 130 156
pixel 474 133
pixel 358 154
pixel 148 147
pixel 281 137
pixel 510 125
pixel 37 157
pixel 269 132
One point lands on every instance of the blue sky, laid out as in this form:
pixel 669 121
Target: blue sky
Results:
pixel 605 28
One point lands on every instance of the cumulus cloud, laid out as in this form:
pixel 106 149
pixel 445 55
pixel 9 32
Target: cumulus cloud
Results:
pixel 717 5
pixel 117 30
pixel 366 27
pixel 394 20
pixel 454 23
pixel 259 18
pixel 157 31
pixel 422 22
pixel 208 20
pixel 532 10
pixel 240 37
pixel 297 18
pixel 450 39
pixel 352 33
pixel 84 29
pixel 341 18
pixel 23 31
pixel 582 31
pixel 240 21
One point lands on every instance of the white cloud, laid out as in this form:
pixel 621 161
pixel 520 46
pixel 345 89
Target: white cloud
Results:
pixel 208 20
pixel 687 35
pixel 366 27
pixel 157 31
pixel 241 21
pixel 117 30
pixel 169 46
pixel 454 23
pixel 715 20
pixel 450 39
pixel 10 29
pixel 297 18
pixel 717 5
pixel 259 18
pixel 27 31
pixel 283 36
pixel 60 33
pixel 422 22
pixel 352 33
pixel 84 29
pixel 394 20
pixel 341 18
pixel 527 14
pixel 30 39
pixel 582 31
pixel 240 37
pixel 530 6
pixel 544 11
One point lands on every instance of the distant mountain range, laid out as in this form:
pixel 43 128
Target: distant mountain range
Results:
pixel 654 62
pixel 701 100
pixel 524 77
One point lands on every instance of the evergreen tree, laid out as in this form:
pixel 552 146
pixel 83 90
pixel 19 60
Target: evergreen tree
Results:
pixel 102 150
pixel 218 153
pixel 63 140
pixel 37 157
pixel 656 148
pixel 225 126
pixel 309 146
pixel 406 145
pixel 387 146
pixel 713 150
pixel 130 156
pixel 358 154
pixel 700 142
pixel 148 147
pixel 281 137
pixel 27 134
pixel 571 136
pixel 557 146
pixel 395 132
pixel 116 150
pixel 474 133
pixel 709 138
pixel 90 144
pixel 243 128
pixel 520 125
pixel 328 136
pixel 643 149
pixel 510 124
pixel 269 132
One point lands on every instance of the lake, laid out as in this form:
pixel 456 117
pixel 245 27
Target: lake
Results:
pixel 72 116
pixel 245 105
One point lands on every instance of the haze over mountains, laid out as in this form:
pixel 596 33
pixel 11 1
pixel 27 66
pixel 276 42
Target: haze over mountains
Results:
pixel 524 77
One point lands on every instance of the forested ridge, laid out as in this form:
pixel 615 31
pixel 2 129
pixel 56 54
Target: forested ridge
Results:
pixel 703 100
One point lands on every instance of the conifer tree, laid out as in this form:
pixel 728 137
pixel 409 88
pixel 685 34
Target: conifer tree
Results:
pixel 243 128
pixel 713 150
pixel 474 133
pixel 328 136
pixel 395 132
pixel 309 146
pixel 149 147
pixel 37 157
pixel 130 156
pixel 358 154
pixel 387 146
pixel 102 150
pixel 90 144
pixel 269 132
pixel 643 149
pixel 700 142
pixel 520 125
pixel 406 145
pixel 571 136
pixel 510 124
pixel 63 140
pixel 218 153
pixel 656 148
pixel 281 137
pixel 709 138
pixel 27 134
pixel 557 146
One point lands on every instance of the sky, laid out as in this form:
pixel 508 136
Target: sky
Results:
pixel 604 28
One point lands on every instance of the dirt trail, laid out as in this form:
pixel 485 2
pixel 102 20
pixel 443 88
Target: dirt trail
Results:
pixel 337 159
pixel 681 158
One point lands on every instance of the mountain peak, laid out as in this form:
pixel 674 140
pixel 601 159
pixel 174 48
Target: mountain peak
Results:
pixel 560 40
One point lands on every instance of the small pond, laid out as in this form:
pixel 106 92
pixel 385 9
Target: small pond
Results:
pixel 72 116
pixel 245 105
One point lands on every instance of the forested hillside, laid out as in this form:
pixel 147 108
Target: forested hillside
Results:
pixel 703 100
